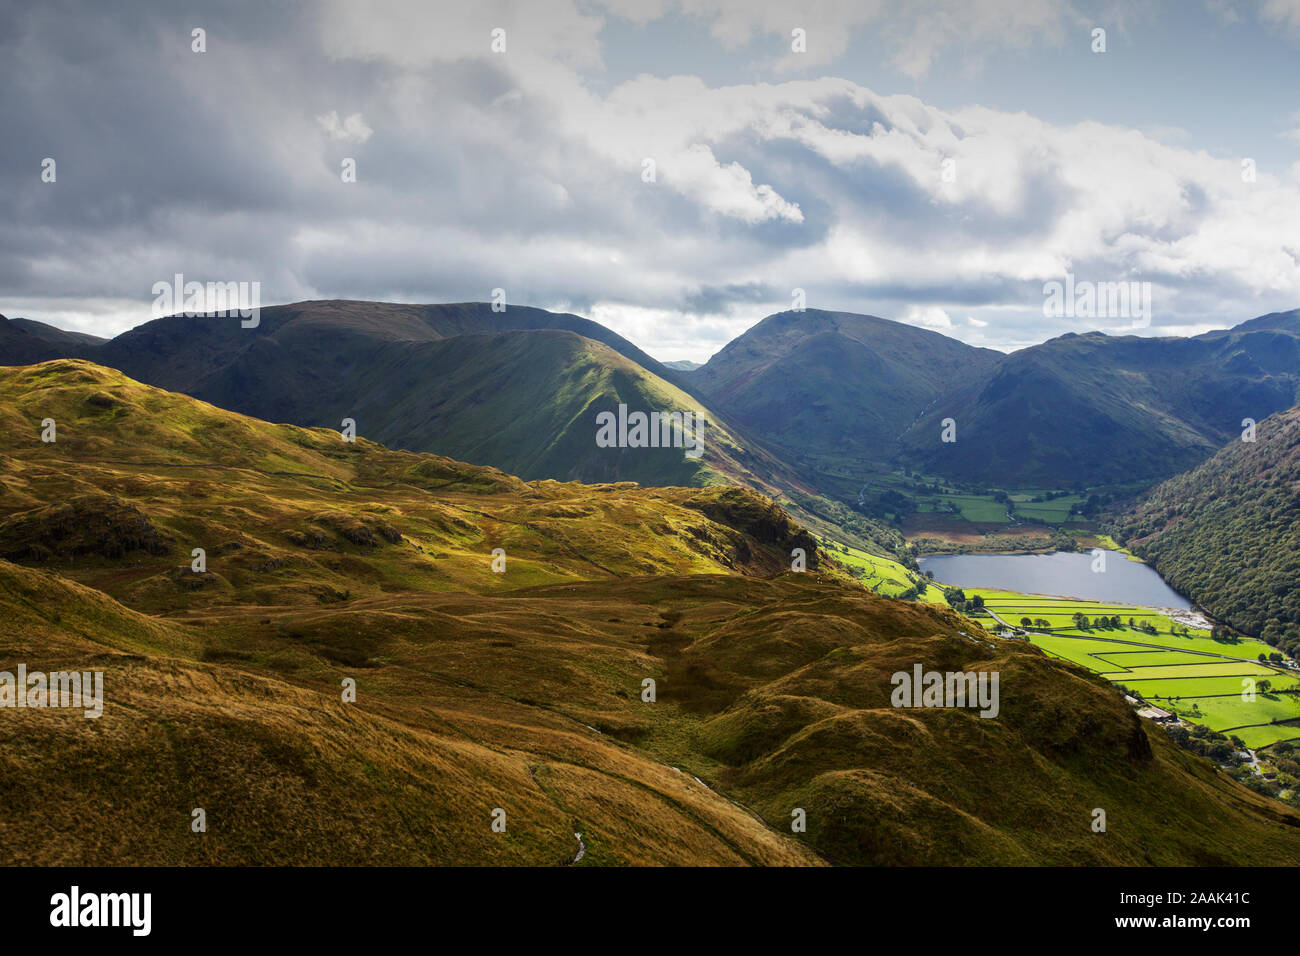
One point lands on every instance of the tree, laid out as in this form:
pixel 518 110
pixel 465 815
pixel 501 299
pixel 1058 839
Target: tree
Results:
pixel 1026 622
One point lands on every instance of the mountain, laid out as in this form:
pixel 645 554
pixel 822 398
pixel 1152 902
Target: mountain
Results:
pixel 520 390
pixel 23 342
pixel 682 365
pixel 800 406
pixel 57 336
pixel 1096 409
pixel 1227 533
pixel 519 691
pixel 836 385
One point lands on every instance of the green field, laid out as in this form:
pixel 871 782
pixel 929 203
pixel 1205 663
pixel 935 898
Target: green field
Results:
pixel 1170 674
pixel 1190 674
pixel 1056 511
pixel 883 575
pixel 980 508
pixel 1174 671
pixel 931 494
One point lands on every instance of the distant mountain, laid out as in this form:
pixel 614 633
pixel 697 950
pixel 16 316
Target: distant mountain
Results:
pixel 1096 409
pixel 24 342
pixel 836 384
pixel 799 406
pixel 316 329
pixel 1227 533
pixel 48 333
pixel 682 365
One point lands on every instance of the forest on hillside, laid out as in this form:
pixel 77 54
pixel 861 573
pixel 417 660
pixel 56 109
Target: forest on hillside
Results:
pixel 1227 533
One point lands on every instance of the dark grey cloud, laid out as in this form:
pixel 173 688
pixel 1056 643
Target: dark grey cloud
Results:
pixel 478 171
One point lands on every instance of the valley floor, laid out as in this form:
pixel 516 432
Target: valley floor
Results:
pixel 1164 656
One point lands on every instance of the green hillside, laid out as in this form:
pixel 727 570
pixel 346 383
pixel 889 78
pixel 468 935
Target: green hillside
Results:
pixel 521 690
pixel 518 390
pixel 1096 409
pixel 835 384
pixel 1227 533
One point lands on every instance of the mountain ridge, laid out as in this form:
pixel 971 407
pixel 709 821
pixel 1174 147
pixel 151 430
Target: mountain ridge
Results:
pixel 518 690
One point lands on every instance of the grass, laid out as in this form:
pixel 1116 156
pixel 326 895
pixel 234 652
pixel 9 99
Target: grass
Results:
pixel 518 690
pixel 1111 652
pixel 881 574
pixel 1159 674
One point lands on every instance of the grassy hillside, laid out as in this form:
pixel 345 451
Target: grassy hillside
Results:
pixel 835 384
pixel 519 690
pixel 519 390
pixel 1227 533
pixel 1096 409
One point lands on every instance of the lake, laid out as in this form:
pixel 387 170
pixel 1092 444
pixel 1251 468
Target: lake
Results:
pixel 1063 573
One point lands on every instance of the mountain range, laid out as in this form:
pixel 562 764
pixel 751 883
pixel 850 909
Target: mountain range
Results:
pixel 516 690
pixel 1097 409
pixel 801 406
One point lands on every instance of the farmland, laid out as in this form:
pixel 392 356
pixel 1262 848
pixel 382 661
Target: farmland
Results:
pixel 1179 668
pixel 1176 666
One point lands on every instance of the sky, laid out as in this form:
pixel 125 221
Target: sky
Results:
pixel 673 169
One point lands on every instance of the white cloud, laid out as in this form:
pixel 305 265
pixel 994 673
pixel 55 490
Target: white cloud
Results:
pixel 926 316
pixel 351 130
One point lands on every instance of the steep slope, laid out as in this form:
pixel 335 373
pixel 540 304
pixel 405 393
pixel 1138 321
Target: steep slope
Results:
pixel 423 372
pixel 176 350
pixel 526 402
pixel 519 690
pixel 1097 409
pixel 519 390
pixel 836 384
pixel 1227 533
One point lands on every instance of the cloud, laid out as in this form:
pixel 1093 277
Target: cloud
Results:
pixel 351 130
pixel 921 31
pixel 514 170
pixel 926 316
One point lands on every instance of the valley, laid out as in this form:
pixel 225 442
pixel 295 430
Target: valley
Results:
pixel 1228 683
pixel 500 619
pixel 521 690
